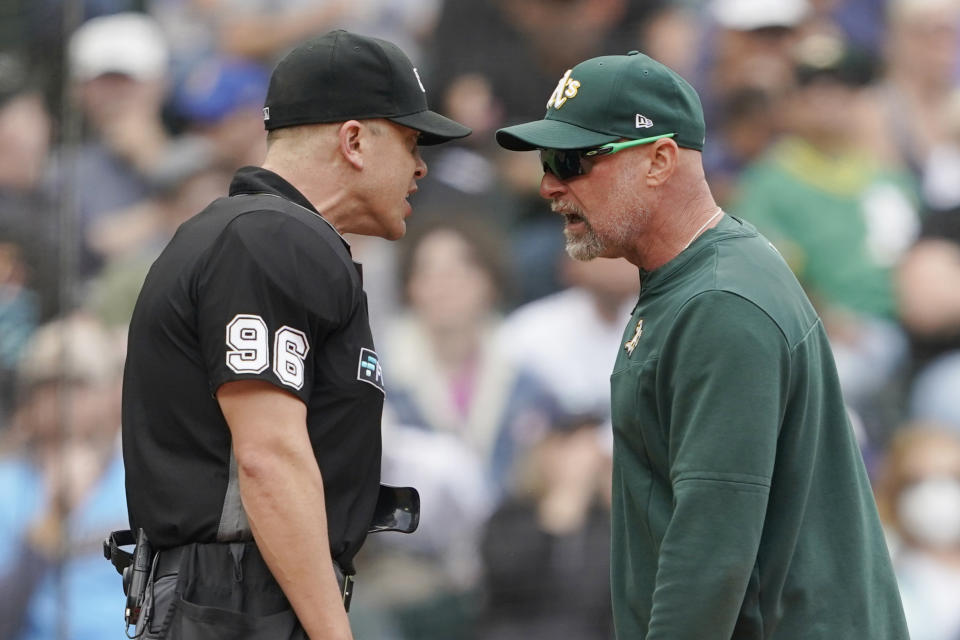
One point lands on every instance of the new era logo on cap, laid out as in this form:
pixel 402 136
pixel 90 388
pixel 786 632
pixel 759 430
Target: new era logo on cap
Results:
pixel 643 122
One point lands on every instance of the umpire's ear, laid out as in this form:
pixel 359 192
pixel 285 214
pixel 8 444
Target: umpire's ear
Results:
pixel 350 134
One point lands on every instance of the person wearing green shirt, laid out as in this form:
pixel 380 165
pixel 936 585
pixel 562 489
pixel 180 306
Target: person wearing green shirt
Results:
pixel 842 218
pixel 741 506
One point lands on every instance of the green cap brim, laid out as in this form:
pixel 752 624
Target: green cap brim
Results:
pixel 550 134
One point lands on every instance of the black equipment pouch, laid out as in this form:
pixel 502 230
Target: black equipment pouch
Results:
pixel 134 567
pixel 398 509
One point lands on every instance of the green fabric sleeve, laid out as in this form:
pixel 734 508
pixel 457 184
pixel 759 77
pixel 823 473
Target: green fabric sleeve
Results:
pixel 724 373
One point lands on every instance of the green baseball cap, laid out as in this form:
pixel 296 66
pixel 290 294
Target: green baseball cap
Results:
pixel 605 99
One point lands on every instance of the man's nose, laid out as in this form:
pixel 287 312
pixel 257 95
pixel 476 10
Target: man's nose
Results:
pixel 421 171
pixel 551 186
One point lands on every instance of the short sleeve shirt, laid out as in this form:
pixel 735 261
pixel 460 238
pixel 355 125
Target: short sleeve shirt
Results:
pixel 256 286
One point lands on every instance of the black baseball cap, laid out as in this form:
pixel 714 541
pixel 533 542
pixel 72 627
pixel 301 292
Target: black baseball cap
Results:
pixel 344 76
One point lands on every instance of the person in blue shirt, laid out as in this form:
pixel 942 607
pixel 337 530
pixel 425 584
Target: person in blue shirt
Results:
pixel 61 488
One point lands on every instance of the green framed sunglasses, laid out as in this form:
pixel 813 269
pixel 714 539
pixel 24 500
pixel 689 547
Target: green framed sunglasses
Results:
pixel 569 163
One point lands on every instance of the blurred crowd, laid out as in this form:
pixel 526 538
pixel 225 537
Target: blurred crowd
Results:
pixel 833 126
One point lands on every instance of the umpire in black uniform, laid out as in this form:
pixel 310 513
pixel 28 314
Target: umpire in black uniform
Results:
pixel 252 389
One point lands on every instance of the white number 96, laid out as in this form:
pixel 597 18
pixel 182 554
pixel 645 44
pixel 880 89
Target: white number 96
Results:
pixel 249 349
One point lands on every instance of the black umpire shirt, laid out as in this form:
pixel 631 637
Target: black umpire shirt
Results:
pixel 256 286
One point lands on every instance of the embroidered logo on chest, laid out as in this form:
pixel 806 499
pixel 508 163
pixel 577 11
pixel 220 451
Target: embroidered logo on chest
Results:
pixel 631 344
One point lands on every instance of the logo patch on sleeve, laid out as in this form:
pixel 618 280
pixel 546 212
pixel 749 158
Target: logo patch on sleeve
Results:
pixel 368 369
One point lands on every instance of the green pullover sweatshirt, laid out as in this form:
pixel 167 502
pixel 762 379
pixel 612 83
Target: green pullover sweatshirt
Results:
pixel 741 506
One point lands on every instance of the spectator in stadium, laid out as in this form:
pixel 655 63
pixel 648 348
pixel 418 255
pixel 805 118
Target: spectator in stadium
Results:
pixel 928 295
pixel 941 189
pixel 461 411
pixel 119 79
pixel 597 297
pixel 427 586
pixel 133 239
pixel 220 100
pixel 918 494
pixel 61 487
pixel 263 30
pixel 750 46
pixel 546 550
pixel 920 75
pixel 28 226
pixel 446 370
pixel 840 218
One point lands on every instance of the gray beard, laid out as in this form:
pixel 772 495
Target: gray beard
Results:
pixel 589 245
pixel 585 246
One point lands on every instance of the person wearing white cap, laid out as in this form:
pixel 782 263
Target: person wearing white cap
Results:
pixel 754 42
pixel 126 43
pixel 746 15
pixel 118 66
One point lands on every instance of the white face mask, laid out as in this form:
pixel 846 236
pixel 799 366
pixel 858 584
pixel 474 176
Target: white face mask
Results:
pixel 930 511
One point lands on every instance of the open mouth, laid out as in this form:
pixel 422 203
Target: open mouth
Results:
pixel 571 214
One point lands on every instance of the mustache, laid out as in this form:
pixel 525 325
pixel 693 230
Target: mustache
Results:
pixel 559 206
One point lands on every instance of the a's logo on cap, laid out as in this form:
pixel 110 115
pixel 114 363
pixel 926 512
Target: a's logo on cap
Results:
pixel 419 82
pixel 566 89
pixel 266 113
pixel 643 122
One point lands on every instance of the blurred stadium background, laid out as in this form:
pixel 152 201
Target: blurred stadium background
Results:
pixel 833 125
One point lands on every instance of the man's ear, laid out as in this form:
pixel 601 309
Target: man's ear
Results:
pixel 349 135
pixel 664 156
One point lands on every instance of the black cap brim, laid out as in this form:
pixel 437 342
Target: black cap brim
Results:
pixel 433 127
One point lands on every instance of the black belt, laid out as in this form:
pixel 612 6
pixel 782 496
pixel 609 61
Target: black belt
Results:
pixel 167 563
pixel 397 509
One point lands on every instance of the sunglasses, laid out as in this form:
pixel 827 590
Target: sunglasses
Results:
pixel 569 163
